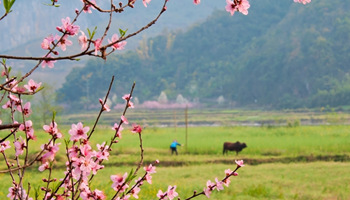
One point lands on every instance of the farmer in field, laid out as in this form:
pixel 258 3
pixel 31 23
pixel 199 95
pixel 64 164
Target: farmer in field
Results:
pixel 173 146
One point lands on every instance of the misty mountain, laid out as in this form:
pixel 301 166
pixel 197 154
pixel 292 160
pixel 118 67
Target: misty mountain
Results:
pixel 31 21
pixel 281 55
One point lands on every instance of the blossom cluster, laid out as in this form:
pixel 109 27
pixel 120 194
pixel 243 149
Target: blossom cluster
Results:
pixel 303 1
pixel 84 162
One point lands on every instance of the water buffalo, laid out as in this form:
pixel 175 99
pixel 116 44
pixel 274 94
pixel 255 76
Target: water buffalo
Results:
pixel 237 146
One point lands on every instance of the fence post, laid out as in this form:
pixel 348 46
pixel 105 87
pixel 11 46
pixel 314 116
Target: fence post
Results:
pixel 186 123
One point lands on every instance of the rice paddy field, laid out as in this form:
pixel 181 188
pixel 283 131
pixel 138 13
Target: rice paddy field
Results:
pixel 287 160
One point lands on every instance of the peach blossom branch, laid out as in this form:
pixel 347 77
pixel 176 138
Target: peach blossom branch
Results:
pixel 101 110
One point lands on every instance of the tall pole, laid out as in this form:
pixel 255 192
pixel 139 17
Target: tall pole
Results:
pixel 186 122
pixel 175 124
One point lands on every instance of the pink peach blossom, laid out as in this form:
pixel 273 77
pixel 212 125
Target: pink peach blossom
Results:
pixel 12 84
pixel 119 128
pixel 136 128
pixel 171 192
pixel 148 178
pixel 303 1
pixel 14 98
pixel 219 185
pixel 230 7
pixel 50 151
pixel 68 27
pixel 32 86
pixel 105 106
pixel 19 146
pixel 150 169
pixel 126 97
pixel 83 41
pixel 161 194
pixel 239 163
pixel 15 102
pixel 49 63
pixel 126 197
pixel 26 109
pixel 7 105
pixel 207 190
pixel 88 6
pixel 64 42
pixel 28 129
pixel 44 166
pixel 242 6
pixel 135 191
pixel 119 182
pixel 15 190
pixel 98 195
pixel 145 2
pixel 52 130
pixel 196 2
pixel 4 145
pixel 124 119
pixel 97 44
pixel 78 132
pixel 47 42
pixel 130 104
pixel 119 45
pixel 102 153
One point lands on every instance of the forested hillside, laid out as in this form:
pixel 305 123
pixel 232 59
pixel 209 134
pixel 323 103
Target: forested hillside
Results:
pixel 281 55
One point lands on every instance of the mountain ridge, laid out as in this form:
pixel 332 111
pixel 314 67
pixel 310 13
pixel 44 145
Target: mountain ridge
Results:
pixel 282 55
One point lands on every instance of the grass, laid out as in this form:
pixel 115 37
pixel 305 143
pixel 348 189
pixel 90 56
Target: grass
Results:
pixel 316 180
pixel 285 178
pixel 261 141
pixel 222 117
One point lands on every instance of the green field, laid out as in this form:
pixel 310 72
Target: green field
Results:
pixel 302 162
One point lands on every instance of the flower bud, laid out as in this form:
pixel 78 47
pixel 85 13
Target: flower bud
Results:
pixel 59 29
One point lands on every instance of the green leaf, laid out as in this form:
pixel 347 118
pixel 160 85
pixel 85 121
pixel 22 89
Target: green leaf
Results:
pixel 38 88
pixel 130 176
pixel 122 32
pixel 8 4
pixel 91 34
pixel 47 4
pixel 88 30
pixel 66 142
pixel 37 192
pixel 53 115
pixel 11 3
pixel 55 186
